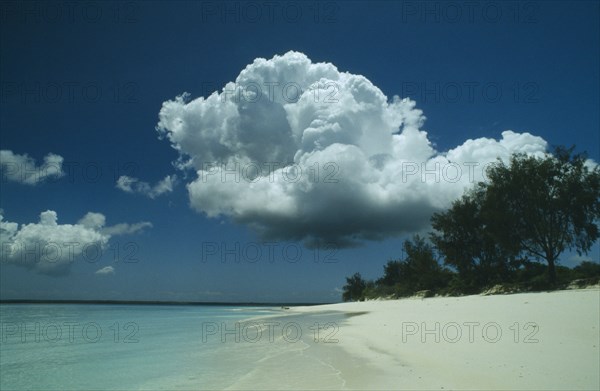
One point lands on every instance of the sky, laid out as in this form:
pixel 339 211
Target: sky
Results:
pixel 263 151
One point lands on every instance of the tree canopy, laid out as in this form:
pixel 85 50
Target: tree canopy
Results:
pixel 353 290
pixel 464 236
pixel 541 207
pixel 529 210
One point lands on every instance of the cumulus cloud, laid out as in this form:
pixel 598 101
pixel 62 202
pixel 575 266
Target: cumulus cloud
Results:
pixel 298 150
pixel 134 185
pixel 23 169
pixel 105 271
pixel 48 247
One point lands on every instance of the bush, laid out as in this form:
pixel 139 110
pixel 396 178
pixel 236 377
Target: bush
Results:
pixel 586 269
pixel 354 288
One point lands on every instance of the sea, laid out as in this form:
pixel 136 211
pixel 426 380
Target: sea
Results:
pixel 166 347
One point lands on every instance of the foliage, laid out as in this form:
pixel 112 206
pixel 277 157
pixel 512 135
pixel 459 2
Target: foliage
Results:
pixel 419 271
pixel 543 206
pixel 587 269
pixel 462 234
pixel 528 211
pixel 354 288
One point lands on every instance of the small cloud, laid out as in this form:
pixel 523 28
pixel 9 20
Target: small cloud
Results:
pixel 134 185
pixel 23 169
pixel 92 220
pixel 105 271
pixel 126 229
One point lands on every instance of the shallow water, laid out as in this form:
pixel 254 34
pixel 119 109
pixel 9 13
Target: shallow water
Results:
pixel 133 347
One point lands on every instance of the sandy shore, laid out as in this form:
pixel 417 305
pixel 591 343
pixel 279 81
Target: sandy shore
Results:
pixel 533 341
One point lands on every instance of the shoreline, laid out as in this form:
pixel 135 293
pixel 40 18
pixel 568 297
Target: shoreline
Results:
pixel 526 341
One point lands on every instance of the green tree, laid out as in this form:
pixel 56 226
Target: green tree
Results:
pixel 587 269
pixel 419 271
pixel 392 273
pixel 462 235
pixel 354 288
pixel 543 206
pixel 422 268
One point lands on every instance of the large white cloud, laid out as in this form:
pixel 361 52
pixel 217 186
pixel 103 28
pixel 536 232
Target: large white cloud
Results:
pixel 298 150
pixel 23 168
pixel 50 248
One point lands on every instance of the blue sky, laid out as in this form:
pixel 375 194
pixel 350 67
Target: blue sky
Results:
pixel 87 83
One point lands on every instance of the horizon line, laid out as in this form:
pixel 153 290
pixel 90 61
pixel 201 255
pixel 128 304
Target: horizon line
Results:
pixel 157 302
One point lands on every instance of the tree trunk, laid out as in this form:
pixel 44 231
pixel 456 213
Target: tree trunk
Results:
pixel 551 269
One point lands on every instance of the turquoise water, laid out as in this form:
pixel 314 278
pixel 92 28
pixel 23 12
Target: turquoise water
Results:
pixel 135 347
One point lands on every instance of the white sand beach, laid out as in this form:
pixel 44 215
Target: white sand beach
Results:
pixel 531 341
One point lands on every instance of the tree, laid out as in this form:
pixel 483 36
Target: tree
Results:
pixel 418 271
pixel 543 206
pixel 422 268
pixel 587 269
pixel 392 273
pixel 462 235
pixel 354 288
